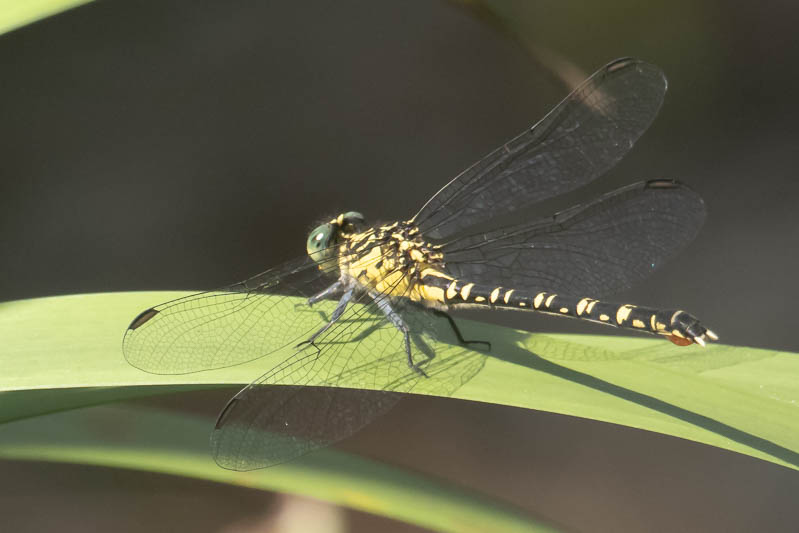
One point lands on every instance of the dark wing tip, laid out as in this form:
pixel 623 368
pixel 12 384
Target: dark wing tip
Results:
pixel 689 194
pixel 671 184
pixel 621 63
pixel 142 318
pixel 220 420
pixel 663 184
pixel 221 440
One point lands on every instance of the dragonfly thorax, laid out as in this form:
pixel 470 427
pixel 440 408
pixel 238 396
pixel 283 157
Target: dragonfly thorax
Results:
pixel 390 259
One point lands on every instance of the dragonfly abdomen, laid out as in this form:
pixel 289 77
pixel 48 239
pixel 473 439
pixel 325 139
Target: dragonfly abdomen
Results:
pixel 679 326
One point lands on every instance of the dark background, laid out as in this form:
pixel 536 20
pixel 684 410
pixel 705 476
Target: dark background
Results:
pixel 185 145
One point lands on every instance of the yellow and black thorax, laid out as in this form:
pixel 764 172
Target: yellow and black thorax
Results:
pixel 394 260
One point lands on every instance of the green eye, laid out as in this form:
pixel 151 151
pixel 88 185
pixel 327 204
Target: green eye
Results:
pixel 319 238
pixel 322 241
pixel 320 245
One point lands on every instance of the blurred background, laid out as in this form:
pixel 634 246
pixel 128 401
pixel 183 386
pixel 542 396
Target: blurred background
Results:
pixel 185 145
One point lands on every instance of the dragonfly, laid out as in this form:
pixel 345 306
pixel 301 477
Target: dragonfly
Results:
pixel 364 317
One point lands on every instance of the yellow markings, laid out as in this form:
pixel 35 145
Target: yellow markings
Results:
pixel 591 306
pixel 435 273
pixel 404 245
pixel 652 321
pixel 479 299
pixel 433 293
pixel 465 290
pixel 507 296
pixel 368 263
pixel 494 295
pixel 452 290
pixel 661 326
pixel 638 324
pixel 581 305
pixel 522 304
pixel 677 334
pixel 623 313
pixel 564 310
pixel 675 316
pixel 549 300
pixel 416 255
pixel 339 220
pixel 361 237
pixel 396 283
pixel 604 318
pixel 538 299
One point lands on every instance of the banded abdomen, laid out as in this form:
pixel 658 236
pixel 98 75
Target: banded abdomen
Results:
pixel 678 326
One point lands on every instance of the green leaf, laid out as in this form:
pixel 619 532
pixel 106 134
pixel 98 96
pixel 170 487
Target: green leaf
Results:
pixel 740 399
pixel 17 13
pixel 144 439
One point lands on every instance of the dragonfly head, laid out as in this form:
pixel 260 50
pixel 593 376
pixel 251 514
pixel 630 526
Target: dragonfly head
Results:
pixel 323 241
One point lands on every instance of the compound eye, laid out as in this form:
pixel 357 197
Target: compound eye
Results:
pixel 319 242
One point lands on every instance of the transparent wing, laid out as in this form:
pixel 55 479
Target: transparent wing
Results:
pixel 325 392
pixel 589 250
pixel 579 140
pixel 229 326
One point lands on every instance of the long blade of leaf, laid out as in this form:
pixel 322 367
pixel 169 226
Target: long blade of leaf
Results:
pixel 17 13
pixel 155 441
pixel 740 399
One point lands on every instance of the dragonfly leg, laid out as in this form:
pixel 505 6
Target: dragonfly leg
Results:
pixel 333 289
pixel 342 305
pixel 457 330
pixel 384 305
